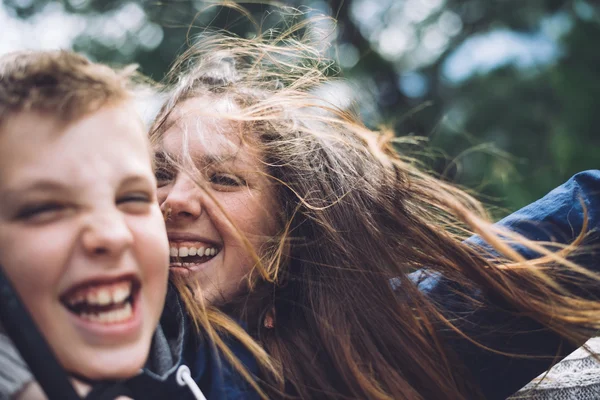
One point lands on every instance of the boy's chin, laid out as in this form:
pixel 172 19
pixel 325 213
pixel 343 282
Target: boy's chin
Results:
pixel 103 365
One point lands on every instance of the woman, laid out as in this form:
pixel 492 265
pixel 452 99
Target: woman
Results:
pixel 291 215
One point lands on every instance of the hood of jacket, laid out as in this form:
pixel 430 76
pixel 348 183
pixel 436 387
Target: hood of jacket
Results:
pixel 175 348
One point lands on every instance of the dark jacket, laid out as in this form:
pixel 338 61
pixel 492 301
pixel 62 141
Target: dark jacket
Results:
pixel 175 348
pixel 557 217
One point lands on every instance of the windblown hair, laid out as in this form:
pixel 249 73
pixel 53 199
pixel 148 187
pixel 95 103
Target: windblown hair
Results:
pixel 62 84
pixel 355 218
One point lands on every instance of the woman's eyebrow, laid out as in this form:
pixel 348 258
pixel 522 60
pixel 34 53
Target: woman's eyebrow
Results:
pixel 162 157
pixel 214 159
pixel 232 156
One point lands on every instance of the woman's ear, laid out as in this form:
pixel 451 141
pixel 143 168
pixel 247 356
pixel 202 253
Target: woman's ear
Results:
pixel 269 321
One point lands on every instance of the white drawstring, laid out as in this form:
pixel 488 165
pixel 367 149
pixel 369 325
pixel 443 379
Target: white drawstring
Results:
pixel 184 378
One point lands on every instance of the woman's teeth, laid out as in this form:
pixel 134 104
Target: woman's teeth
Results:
pixel 107 303
pixel 192 251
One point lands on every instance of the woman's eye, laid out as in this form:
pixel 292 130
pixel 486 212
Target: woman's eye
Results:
pixel 41 212
pixel 226 180
pixel 163 176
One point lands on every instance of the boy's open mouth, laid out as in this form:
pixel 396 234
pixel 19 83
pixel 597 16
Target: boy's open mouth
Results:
pixel 186 256
pixel 104 303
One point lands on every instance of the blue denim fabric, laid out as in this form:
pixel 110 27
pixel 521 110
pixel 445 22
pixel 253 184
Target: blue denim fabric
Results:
pixel 557 217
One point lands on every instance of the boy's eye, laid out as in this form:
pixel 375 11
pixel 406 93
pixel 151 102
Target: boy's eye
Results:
pixel 134 202
pixel 226 180
pixel 41 212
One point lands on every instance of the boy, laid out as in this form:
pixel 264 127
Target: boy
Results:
pixel 82 238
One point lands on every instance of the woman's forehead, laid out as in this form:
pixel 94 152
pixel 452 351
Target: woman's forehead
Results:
pixel 204 128
pixel 208 144
pixel 205 106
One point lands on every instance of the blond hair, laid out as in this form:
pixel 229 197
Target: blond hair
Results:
pixel 61 84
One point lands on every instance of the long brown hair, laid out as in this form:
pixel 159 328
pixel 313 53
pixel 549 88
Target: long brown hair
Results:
pixel 357 216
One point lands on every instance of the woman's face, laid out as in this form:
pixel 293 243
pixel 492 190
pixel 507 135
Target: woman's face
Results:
pixel 207 225
pixel 82 237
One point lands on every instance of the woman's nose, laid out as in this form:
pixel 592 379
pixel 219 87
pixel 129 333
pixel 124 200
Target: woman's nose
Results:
pixel 183 201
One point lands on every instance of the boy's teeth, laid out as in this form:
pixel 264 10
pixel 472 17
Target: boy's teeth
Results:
pixel 91 297
pixel 104 298
pixel 174 252
pixel 77 298
pixel 192 251
pixel 120 294
pixel 101 296
pixel 183 252
pixel 110 317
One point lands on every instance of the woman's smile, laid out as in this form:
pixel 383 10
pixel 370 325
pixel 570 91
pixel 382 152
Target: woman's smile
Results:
pixel 187 257
pixel 220 211
pixel 190 252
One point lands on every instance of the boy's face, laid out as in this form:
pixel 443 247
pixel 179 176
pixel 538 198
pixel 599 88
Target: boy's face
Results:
pixel 82 237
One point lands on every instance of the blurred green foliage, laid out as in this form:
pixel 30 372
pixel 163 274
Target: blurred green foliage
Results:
pixel 511 131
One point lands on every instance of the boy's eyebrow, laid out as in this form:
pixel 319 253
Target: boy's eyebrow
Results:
pixel 56 186
pixel 43 185
pixel 135 178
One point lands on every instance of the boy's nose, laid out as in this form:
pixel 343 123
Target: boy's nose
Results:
pixel 183 202
pixel 107 234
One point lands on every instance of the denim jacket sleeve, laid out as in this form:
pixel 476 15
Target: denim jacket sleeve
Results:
pixel 557 217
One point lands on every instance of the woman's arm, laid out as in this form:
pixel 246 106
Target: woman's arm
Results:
pixel 559 217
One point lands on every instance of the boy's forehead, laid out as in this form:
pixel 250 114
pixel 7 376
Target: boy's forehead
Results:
pixel 30 127
pixel 22 134
pixel 33 144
